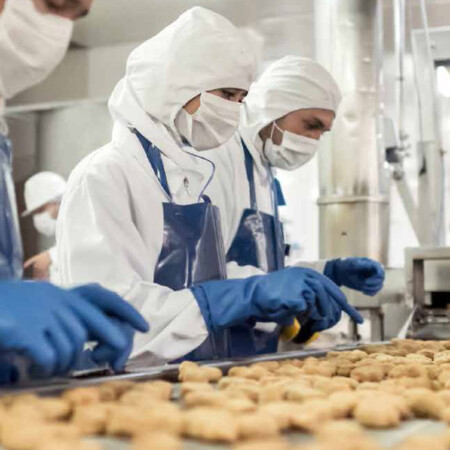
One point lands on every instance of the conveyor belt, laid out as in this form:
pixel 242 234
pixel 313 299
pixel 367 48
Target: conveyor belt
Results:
pixel 386 438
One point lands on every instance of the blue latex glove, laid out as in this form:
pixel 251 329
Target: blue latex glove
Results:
pixel 274 297
pixel 51 325
pixel 362 274
pixel 116 359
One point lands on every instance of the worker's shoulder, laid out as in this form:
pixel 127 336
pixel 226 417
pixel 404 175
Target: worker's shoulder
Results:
pixel 102 164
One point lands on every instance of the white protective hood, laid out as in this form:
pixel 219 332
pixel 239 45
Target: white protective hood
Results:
pixel 287 85
pixel 198 52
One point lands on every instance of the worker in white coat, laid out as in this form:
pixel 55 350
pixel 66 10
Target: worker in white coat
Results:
pixel 135 217
pixel 286 112
pixel 34 36
pixel 46 325
pixel 43 194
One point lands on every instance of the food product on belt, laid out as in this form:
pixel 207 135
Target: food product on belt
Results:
pixel 210 424
pixel 159 441
pixel 190 371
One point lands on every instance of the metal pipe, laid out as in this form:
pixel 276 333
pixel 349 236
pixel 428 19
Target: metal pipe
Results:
pixel 354 183
pixel 399 42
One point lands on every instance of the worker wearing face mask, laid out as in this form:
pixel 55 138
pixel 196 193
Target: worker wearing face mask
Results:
pixel 43 195
pixel 289 108
pixel 135 217
pixel 46 325
pixel 34 36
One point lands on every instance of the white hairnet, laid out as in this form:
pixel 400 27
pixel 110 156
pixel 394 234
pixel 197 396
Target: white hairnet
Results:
pixel 287 85
pixel 198 52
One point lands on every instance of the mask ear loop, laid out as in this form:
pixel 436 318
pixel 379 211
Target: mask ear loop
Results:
pixel 274 125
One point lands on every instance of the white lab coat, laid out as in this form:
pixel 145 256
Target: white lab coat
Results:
pixel 110 225
pixel 55 276
pixel 32 44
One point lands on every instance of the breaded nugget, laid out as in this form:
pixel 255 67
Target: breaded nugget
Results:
pixel 226 382
pixel 209 424
pixel 422 442
pixel 257 425
pixel 54 408
pixel 339 429
pixel 189 371
pixel 281 411
pixel 343 403
pixel 272 393
pixel 311 414
pixel 189 386
pixel 113 390
pixel 91 419
pixel 442 358
pixel 132 420
pixel 82 395
pixel 265 444
pixel 157 441
pixel 300 394
pixel 376 413
pixel 252 373
pixel 373 373
pixel 408 371
pixel 267 365
pixel 199 398
pixel 425 403
pixel 160 390
pixel 21 434
pixel 69 444
pixel 323 368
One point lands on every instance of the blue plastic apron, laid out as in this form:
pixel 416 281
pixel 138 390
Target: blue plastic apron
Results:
pixel 259 239
pixel 259 242
pixel 192 250
pixel 11 253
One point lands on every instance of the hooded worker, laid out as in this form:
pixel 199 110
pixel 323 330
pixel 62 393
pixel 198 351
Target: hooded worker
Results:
pixel 286 112
pixel 43 194
pixel 135 217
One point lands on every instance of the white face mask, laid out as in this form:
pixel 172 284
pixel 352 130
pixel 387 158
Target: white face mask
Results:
pixel 293 152
pixel 213 124
pixel 45 223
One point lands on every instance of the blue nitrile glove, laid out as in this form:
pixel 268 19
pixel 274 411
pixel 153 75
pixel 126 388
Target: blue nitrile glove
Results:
pixel 362 274
pixel 51 325
pixel 330 301
pixel 274 297
pixel 106 354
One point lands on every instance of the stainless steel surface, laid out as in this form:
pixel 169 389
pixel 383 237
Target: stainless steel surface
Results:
pixel 430 319
pixel 354 201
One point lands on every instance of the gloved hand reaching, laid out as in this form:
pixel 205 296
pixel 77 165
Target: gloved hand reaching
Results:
pixel 275 297
pixel 362 274
pixel 51 325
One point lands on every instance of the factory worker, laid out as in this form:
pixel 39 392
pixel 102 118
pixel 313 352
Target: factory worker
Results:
pixel 135 217
pixel 43 195
pixel 49 327
pixel 34 36
pixel 288 109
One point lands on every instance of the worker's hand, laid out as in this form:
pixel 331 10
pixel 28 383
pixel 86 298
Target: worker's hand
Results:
pixel 70 9
pixel 51 325
pixel 362 274
pixel 40 266
pixel 2 5
pixel 275 297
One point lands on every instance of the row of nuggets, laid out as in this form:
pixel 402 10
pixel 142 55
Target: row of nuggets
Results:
pixel 333 398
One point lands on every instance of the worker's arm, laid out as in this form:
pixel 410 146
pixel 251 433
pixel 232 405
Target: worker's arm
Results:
pixel 98 241
pixel 32 44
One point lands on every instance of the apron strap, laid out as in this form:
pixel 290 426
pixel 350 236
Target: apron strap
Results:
pixel 154 157
pixel 250 175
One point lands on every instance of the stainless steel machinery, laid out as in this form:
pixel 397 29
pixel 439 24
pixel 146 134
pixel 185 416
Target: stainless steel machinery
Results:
pixel 427 273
